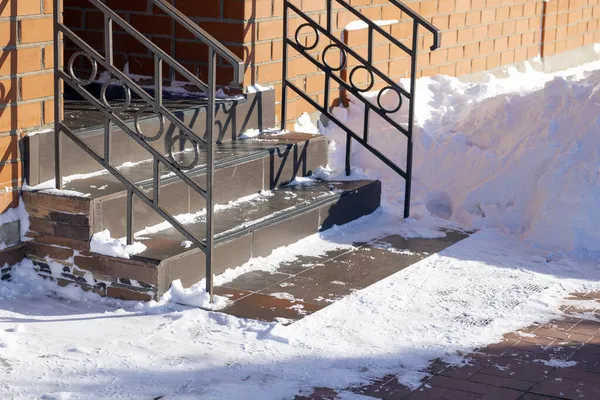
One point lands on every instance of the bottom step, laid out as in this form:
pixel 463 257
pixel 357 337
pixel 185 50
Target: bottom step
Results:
pixel 245 229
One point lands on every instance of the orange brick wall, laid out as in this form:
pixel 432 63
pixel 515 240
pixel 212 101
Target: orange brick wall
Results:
pixel 477 35
pixel 224 19
pixel 26 84
pixel 570 24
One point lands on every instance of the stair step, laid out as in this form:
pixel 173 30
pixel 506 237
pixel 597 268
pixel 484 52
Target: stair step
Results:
pixel 60 230
pixel 256 227
pixel 232 119
pixel 244 167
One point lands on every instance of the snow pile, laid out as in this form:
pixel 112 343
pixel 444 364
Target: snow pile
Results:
pixel 195 296
pixel 519 154
pixel 103 243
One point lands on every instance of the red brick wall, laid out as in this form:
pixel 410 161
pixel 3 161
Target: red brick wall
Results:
pixel 26 84
pixel 478 35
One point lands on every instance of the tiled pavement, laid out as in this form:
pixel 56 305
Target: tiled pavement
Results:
pixel 308 284
pixel 519 367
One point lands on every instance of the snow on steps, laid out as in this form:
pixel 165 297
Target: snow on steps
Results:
pixel 61 229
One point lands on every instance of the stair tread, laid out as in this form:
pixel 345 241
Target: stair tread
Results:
pixel 239 217
pixel 104 184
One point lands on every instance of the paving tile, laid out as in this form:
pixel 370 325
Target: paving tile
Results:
pixel 463 372
pixel 537 339
pixel 533 396
pixel 362 268
pixel 319 394
pixel 438 393
pixel 560 350
pixel 595 340
pixel 578 375
pixel 306 262
pixel 311 290
pixel 567 388
pixel 586 361
pixel 422 246
pixel 436 367
pixel 381 392
pixel 530 328
pixel 563 324
pixel 269 308
pixel 231 294
pixel 487 391
pixel 499 348
pixel 500 381
pixel 254 281
pixel 586 327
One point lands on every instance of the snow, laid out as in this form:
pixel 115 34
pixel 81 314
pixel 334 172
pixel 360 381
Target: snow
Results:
pixel 305 125
pixel 447 304
pixel 557 363
pixel 195 296
pixel 359 24
pixel 257 88
pixel 499 154
pixel 250 133
pixel 103 243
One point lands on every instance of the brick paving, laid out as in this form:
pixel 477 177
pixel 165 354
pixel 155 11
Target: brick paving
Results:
pixel 513 368
pixel 303 286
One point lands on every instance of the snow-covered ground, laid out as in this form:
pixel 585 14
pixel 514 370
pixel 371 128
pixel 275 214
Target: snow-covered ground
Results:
pixel 515 157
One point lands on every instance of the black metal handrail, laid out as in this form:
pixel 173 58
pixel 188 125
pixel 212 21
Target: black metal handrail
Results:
pixel 70 77
pixel 366 64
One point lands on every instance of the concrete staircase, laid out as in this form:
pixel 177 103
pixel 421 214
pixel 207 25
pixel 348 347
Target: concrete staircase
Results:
pixel 261 202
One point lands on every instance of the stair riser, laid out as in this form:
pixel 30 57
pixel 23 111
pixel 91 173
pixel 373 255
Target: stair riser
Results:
pixel 231 121
pixel 269 172
pixel 190 267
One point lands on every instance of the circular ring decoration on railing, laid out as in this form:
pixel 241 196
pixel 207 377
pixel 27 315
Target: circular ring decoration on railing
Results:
pixel 297 37
pixel 371 78
pixel 381 107
pixel 184 138
pixel 104 89
pixel 138 129
pixel 343 57
pixel 94 72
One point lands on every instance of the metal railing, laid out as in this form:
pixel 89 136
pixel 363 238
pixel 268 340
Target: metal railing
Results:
pixel 112 117
pixel 364 64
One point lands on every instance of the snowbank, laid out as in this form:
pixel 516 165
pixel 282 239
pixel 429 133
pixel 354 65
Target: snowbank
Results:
pixel 519 154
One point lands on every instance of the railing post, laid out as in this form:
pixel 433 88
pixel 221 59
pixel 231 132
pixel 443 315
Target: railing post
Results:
pixel 210 161
pixel 57 94
pixel 129 221
pixel 284 66
pixel 411 118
